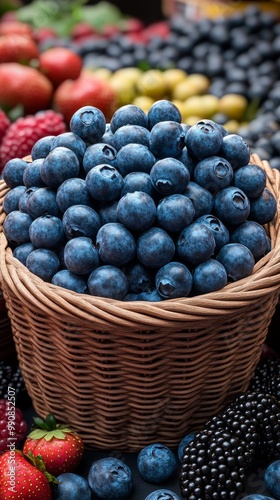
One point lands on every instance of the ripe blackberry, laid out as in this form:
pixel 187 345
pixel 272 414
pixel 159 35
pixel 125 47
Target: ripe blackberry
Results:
pixel 214 465
pixel 5 375
pixel 264 373
pixel 274 387
pixel 12 377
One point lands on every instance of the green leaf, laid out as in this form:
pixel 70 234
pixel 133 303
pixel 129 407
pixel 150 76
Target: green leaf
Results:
pixel 50 422
pixel 58 434
pixel 37 434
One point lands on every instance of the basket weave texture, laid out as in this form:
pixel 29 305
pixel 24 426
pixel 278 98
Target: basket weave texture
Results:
pixel 126 374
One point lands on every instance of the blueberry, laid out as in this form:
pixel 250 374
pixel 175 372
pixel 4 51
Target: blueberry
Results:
pixel 13 172
pixel 169 176
pixel 70 281
pixel 196 244
pixel 183 443
pixel 42 147
pixel 209 276
pixel 108 212
pixel 71 141
pixel 115 244
pixel 175 212
pixel 235 150
pixel 149 296
pixel 46 232
pixel 155 248
pixel 107 137
pixel 131 134
pixel 213 174
pixel 156 463
pixel 97 154
pixel 202 200
pixel 173 280
pixel 42 201
pixel 80 255
pixel 220 231
pixel 167 139
pixel 136 211
pixel 72 487
pixel 110 478
pixel 128 114
pixel 43 262
pixel 32 174
pixel 104 183
pixel 255 496
pixel 16 227
pixel 72 192
pixel 263 208
pixel 88 123
pixel 187 160
pixel 204 139
pixel 163 110
pixel 252 235
pixel 138 181
pixel 80 220
pixel 272 478
pixel 12 198
pixel 251 179
pixel 60 164
pixel 232 206
pixel 134 158
pixel 139 278
pixel 162 494
pixel 22 251
pixel 108 281
pixel 237 259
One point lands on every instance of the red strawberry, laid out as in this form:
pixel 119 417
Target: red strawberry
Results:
pixel 25 131
pixel 9 26
pixel 17 48
pixel 60 447
pixel 88 89
pixel 4 124
pixel 59 64
pixel 25 86
pixel 24 478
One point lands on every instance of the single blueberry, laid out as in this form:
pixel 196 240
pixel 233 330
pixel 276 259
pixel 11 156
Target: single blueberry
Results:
pixel 272 478
pixel 167 139
pixel 72 487
pixel 32 174
pixel 46 232
pixel 13 172
pixel 136 211
pixel 202 200
pixel 128 114
pixel 97 154
pixel 196 244
pixel 80 220
pixel 232 206
pixel 16 227
pixel 173 280
pixel 235 150
pixel 263 207
pixel 43 262
pixel 213 174
pixel 155 248
pixel 104 183
pixel 42 201
pixel 71 141
pixel 72 192
pixel 107 137
pixel 183 443
pixel 251 179
pixel 169 176
pixel 81 255
pixel 156 463
pixel 150 296
pixel 237 259
pixel 70 281
pixel 209 276
pixel 256 496
pixel 204 139
pixel 134 158
pixel 22 204
pixel 128 134
pixel 12 198
pixel 252 235
pixel 108 281
pixel 175 212
pixel 115 244
pixel 140 279
pixel 187 160
pixel 138 181
pixel 89 123
pixel 60 164
pixel 22 251
pixel 162 494
pixel 42 147
pixel 108 212
pixel 220 231
pixel 163 110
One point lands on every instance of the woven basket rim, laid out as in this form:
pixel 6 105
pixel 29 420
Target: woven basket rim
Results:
pixel 265 279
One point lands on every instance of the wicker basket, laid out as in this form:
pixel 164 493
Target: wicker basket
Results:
pixel 126 374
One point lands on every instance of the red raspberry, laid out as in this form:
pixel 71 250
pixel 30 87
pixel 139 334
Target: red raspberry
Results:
pixel 25 131
pixel 13 427
pixel 4 124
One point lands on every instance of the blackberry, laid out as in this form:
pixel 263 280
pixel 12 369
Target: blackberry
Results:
pixel 264 373
pixel 5 375
pixel 214 466
pixel 12 377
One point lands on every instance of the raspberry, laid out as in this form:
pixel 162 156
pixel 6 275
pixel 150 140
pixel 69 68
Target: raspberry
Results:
pixel 13 427
pixel 25 131
pixel 4 124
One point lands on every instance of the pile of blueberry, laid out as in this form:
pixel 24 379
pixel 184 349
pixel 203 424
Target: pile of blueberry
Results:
pixel 143 208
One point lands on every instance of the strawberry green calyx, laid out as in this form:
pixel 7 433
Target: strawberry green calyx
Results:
pixel 48 429
pixel 39 463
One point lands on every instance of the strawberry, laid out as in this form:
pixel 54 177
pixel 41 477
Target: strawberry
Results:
pixel 23 477
pixel 4 124
pixel 59 64
pixel 25 86
pixel 88 89
pixel 17 48
pixel 60 447
pixel 25 131
pixel 11 26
